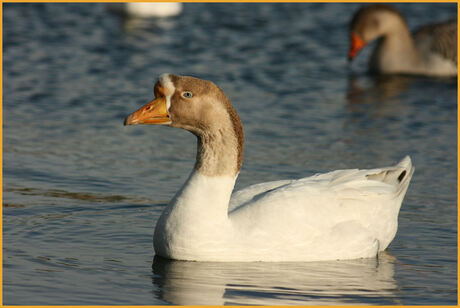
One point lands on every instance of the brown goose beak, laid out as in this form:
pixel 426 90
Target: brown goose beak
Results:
pixel 155 112
pixel 356 44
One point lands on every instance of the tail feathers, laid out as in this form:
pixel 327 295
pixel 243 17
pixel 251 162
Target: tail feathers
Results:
pixel 404 180
pixel 398 175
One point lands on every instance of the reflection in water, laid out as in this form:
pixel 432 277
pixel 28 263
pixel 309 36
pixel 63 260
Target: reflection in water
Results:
pixel 273 283
pixel 380 102
pixel 143 26
pixel 377 87
pixel 374 98
pixel 383 88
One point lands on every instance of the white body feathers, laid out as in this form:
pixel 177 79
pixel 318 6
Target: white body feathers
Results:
pixel 343 214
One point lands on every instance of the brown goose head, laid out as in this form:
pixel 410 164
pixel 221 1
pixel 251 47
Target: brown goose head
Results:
pixel 371 22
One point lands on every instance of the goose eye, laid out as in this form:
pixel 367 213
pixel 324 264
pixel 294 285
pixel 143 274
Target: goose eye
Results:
pixel 187 94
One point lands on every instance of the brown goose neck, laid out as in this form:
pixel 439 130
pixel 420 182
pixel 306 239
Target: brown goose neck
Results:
pixel 220 151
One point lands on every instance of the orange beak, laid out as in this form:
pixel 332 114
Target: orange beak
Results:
pixel 155 112
pixel 356 44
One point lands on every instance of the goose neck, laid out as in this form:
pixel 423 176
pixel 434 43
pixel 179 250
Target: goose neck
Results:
pixel 205 195
pixel 219 152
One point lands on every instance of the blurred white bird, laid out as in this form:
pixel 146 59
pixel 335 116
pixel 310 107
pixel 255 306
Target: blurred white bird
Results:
pixel 146 9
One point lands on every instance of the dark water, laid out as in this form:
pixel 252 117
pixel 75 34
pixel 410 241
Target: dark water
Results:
pixel 82 193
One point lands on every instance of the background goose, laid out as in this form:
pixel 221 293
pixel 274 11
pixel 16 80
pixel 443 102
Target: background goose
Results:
pixel 343 214
pixel 146 9
pixel 430 50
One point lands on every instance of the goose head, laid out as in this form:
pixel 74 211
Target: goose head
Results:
pixel 185 102
pixel 202 108
pixel 371 22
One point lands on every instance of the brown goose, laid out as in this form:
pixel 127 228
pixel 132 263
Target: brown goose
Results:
pixel 431 50
pixel 344 214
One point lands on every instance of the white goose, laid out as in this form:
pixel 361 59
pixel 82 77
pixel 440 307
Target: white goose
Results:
pixel 146 9
pixel 344 214
pixel 431 50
